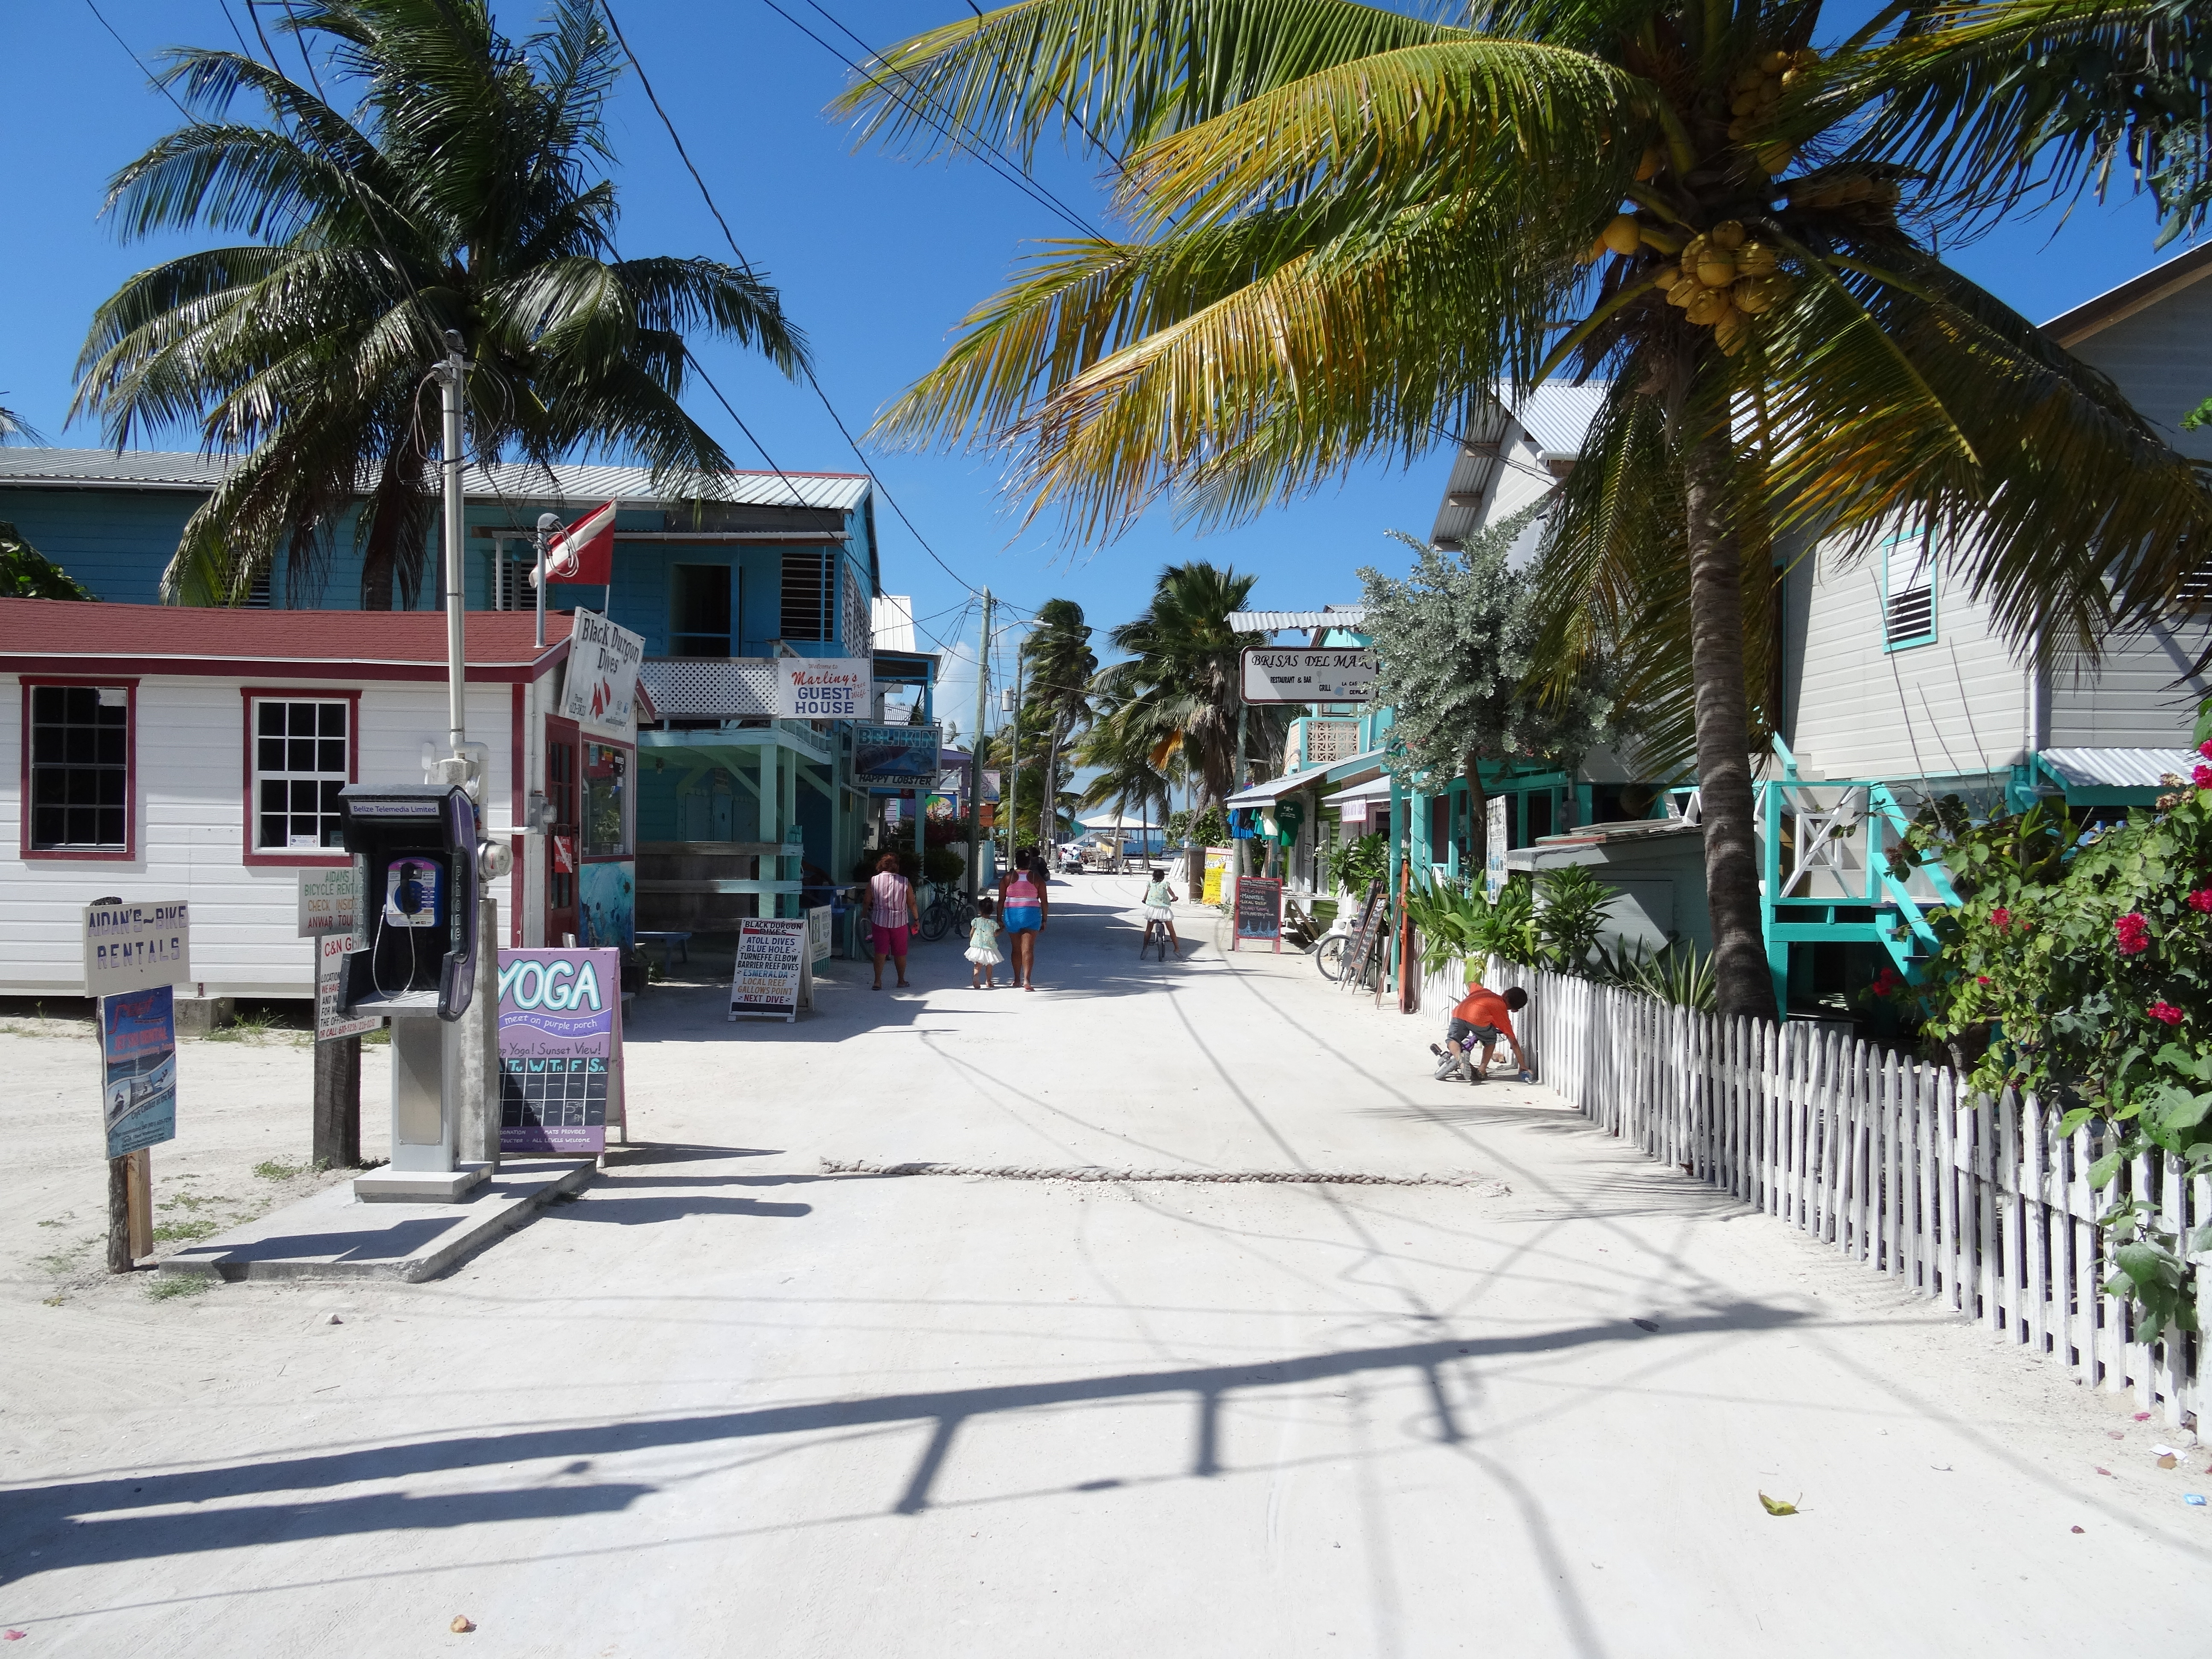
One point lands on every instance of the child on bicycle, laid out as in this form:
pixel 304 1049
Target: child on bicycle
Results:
pixel 983 948
pixel 1482 1017
pixel 1159 908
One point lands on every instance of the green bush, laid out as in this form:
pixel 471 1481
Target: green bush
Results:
pixel 1364 859
pixel 2079 967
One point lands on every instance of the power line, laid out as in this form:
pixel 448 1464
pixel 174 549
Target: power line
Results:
pixel 158 86
pixel 729 237
pixel 977 145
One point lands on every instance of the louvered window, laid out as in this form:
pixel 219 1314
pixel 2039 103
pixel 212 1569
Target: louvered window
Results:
pixel 808 594
pixel 1908 590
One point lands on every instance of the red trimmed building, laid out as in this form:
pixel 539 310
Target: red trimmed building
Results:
pixel 166 752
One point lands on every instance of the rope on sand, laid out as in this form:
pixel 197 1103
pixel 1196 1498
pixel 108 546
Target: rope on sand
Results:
pixel 1483 1186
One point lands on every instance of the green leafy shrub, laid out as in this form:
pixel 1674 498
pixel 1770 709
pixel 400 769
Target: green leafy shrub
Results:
pixel 2079 967
pixel 1361 861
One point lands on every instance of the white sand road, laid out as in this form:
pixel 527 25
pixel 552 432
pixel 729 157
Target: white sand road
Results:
pixel 725 1404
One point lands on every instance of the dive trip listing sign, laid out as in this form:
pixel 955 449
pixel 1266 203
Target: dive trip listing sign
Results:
pixel 560 1046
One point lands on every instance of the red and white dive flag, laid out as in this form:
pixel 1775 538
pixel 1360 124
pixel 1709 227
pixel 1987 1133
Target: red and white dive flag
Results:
pixel 584 552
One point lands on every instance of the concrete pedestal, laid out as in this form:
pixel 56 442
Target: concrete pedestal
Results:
pixel 420 1186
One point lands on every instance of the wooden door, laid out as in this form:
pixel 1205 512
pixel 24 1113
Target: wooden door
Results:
pixel 564 771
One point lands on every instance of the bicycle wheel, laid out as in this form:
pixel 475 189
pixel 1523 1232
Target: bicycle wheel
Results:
pixel 863 935
pixel 936 920
pixel 1329 958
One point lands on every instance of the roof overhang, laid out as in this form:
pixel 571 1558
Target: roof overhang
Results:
pixel 2070 328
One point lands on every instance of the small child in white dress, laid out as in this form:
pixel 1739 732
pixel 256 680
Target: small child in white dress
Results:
pixel 1159 908
pixel 983 949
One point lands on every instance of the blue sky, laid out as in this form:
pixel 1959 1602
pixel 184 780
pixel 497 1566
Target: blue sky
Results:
pixel 877 259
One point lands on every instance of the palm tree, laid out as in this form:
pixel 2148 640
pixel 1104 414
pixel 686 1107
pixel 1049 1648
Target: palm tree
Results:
pixel 1134 749
pixel 1349 226
pixel 14 426
pixel 462 192
pixel 1061 663
pixel 1183 664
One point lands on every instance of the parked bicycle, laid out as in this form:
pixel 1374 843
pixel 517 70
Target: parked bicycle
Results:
pixel 948 910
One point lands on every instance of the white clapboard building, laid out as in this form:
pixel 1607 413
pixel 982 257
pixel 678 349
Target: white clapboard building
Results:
pixel 163 752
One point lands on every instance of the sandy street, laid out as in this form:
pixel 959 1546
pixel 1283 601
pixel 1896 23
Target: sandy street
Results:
pixel 1523 1401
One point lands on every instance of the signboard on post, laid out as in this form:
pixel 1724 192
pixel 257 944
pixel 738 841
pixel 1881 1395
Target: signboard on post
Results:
pixel 1300 674
pixel 135 947
pixel 330 902
pixel 138 1068
pixel 773 958
pixel 331 1021
pixel 817 932
pixel 1259 912
pixel 897 757
pixel 824 688
pixel 602 678
pixel 1495 834
pixel 560 1050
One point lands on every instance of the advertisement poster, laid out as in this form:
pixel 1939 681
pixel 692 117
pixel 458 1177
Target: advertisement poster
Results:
pixel 138 1068
pixel 560 1050
pixel 602 678
pixel 824 688
pixel 897 756
pixel 1493 859
pixel 1299 674
pixel 607 905
pixel 331 1021
pixel 772 955
pixel 817 932
pixel 134 947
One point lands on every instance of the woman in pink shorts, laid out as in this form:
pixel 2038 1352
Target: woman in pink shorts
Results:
pixel 890 914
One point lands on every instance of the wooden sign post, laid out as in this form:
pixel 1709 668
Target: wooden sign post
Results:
pixel 133 954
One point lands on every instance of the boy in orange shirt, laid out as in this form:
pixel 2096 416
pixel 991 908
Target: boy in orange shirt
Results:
pixel 1483 1015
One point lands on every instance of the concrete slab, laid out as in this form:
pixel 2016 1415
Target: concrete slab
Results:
pixel 390 1186
pixel 333 1235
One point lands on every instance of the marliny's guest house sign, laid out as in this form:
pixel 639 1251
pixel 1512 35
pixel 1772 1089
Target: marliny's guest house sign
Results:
pixel 824 688
pixel 601 683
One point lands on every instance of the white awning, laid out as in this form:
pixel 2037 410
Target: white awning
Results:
pixel 2117 768
pixel 1108 821
pixel 1373 789
pixel 1265 794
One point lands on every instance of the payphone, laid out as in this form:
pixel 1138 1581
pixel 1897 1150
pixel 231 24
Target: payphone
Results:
pixel 419 865
pixel 415 848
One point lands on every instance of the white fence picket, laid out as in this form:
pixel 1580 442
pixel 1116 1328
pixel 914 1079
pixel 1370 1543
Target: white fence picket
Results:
pixel 1888 1161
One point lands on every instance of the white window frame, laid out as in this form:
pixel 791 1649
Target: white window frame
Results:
pixel 319 776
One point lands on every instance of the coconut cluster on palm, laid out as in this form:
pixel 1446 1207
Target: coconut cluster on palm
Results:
pixel 1350 228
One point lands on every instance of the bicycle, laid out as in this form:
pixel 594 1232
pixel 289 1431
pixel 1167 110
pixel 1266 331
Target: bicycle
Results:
pixel 1155 931
pixel 948 911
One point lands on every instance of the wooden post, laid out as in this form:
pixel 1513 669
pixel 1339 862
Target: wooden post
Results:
pixel 337 1103
pixel 139 1183
pixel 119 1215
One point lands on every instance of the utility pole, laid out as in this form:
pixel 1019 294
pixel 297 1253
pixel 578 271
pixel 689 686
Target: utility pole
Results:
pixel 1011 793
pixel 453 378
pixel 975 758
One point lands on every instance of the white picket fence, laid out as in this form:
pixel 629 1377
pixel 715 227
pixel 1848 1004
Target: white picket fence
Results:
pixel 1983 1207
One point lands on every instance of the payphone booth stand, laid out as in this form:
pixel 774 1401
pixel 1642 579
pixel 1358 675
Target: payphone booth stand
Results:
pixel 416 855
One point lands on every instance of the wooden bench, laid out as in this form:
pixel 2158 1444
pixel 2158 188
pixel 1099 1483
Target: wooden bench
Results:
pixel 669 942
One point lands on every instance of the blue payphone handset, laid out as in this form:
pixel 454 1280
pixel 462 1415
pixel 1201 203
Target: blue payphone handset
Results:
pixel 415 849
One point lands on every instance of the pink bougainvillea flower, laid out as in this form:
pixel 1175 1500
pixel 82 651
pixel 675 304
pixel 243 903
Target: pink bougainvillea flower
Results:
pixel 2202 777
pixel 2164 1012
pixel 1981 979
pixel 2205 749
pixel 2201 899
pixel 2134 934
pixel 2001 918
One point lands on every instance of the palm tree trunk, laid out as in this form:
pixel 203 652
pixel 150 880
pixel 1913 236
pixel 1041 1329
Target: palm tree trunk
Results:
pixel 1724 792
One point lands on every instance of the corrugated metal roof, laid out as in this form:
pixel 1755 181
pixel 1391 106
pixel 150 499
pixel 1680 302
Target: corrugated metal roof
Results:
pixel 1554 418
pixel 1269 621
pixel 2117 768
pixel 513 480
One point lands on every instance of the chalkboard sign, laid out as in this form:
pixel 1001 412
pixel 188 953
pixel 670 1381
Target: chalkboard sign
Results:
pixel 1258 911
pixel 1368 936
pixel 772 955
